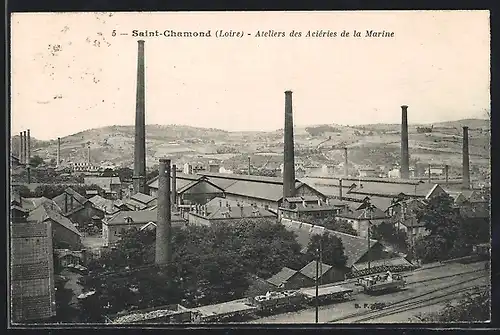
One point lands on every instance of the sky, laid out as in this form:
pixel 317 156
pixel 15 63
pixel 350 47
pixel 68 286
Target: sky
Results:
pixel 69 73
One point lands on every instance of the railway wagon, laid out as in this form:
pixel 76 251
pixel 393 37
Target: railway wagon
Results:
pixel 382 283
pixel 273 301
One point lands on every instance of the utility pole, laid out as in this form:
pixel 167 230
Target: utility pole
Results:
pixel 369 246
pixel 317 275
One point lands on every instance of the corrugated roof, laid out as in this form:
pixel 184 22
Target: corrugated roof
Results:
pixel 259 179
pixel 137 217
pixel 310 269
pixel 354 247
pixel 282 277
pixel 47 211
pixel 181 180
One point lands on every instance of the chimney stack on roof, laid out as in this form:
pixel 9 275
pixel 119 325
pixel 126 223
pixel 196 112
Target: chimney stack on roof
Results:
pixel 140 126
pixel 465 159
pixel 289 155
pixel 163 226
pixel 405 156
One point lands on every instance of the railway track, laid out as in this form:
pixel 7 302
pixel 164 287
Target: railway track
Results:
pixel 410 303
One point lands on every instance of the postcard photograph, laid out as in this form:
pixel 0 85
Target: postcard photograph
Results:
pixel 205 168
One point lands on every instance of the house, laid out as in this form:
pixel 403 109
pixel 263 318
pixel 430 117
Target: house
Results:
pixel 362 218
pixel 289 279
pixel 368 172
pixel 32 203
pixel 298 208
pixel 111 185
pixel 221 210
pixel 190 189
pixel 326 273
pixel 64 257
pixel 265 192
pixel 64 232
pixel 141 201
pixel 18 214
pixel 356 249
pixel 75 206
pixel 123 206
pixel 32 283
pixel 115 225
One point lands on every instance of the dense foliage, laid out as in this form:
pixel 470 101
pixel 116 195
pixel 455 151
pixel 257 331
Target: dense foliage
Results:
pixel 388 232
pixel 451 234
pixel 50 191
pixel 329 248
pixel 209 265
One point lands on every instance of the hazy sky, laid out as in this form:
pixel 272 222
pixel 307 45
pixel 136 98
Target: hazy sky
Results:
pixel 70 74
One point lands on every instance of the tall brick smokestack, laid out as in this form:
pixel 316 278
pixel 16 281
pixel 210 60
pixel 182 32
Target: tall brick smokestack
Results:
pixel 21 148
pixel 465 159
pixel 289 163
pixel 25 140
pixel 163 223
pixel 174 186
pixel 405 156
pixel 88 154
pixel 58 151
pixel 140 126
pixel 346 164
pixel 28 152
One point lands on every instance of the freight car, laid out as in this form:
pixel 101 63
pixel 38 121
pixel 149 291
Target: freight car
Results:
pixel 382 283
pixel 273 302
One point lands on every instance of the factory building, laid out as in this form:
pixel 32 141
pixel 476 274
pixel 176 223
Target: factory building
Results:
pixel 112 186
pixel 305 207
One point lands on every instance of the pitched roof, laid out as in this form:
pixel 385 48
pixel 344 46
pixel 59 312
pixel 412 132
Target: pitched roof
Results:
pixel 181 180
pixel 137 217
pixel 354 247
pixel 220 213
pixel 310 269
pixel 282 277
pixel 48 211
pixel 32 203
pixel 103 204
pixel 397 261
pixel 78 203
pixel 103 182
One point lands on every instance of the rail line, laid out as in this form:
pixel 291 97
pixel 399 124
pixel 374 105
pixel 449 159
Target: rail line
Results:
pixel 407 300
pixel 421 303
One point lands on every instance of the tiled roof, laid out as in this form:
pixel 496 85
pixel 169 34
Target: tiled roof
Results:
pixel 282 277
pixel 310 269
pixel 218 202
pixel 137 217
pixel 103 182
pixel 354 247
pixel 47 211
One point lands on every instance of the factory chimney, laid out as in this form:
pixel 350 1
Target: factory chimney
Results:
pixel 249 169
pixel 174 187
pixel 430 176
pixel 289 160
pixel 346 164
pixel 25 140
pixel 21 148
pixel 465 159
pixel 163 223
pixel 58 151
pixel 405 157
pixel 340 190
pixel 140 126
pixel 28 153
pixel 88 154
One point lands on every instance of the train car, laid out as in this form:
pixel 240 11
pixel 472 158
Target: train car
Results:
pixel 275 301
pixel 382 283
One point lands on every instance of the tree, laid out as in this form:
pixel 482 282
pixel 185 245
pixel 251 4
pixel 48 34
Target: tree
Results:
pixel 332 250
pixel 389 233
pixel 36 161
pixel 332 223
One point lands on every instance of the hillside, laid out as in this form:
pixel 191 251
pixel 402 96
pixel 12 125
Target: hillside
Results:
pixel 369 144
